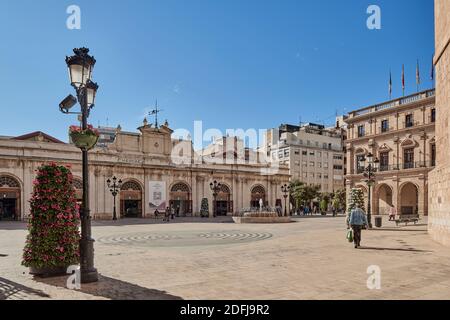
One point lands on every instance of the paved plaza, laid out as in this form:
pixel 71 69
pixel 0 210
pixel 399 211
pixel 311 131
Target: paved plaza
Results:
pixel 217 259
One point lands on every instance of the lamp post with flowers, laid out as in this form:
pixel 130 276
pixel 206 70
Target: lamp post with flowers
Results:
pixel 368 170
pixel 80 67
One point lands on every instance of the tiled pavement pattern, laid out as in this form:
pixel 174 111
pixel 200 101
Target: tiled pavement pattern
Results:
pixel 215 259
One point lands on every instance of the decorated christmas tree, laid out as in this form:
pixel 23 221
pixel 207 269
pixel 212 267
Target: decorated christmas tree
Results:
pixel 356 197
pixel 53 239
pixel 204 209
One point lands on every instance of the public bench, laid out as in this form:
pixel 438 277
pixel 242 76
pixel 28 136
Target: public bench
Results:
pixel 407 218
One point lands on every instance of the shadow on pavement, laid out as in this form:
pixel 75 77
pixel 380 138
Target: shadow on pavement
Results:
pixel 113 289
pixel 17 291
pixel 398 229
pixel 394 249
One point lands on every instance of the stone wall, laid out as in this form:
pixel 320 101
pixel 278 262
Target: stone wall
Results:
pixel 439 220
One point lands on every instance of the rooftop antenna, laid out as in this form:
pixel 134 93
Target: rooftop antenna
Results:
pixel 155 113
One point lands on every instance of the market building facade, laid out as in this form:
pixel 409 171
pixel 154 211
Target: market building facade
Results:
pixel 153 176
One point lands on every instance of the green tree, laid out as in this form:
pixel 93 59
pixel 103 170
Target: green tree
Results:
pixel 339 199
pixel 204 209
pixel 356 197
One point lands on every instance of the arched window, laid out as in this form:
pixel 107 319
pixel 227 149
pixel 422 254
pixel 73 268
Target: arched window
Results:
pixel 8 182
pixel 131 185
pixel 180 187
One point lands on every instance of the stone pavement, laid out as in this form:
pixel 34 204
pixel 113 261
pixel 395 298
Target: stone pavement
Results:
pixel 192 258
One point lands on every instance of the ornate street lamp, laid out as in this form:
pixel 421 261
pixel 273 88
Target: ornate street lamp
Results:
pixel 369 174
pixel 285 189
pixel 215 188
pixel 114 187
pixel 80 67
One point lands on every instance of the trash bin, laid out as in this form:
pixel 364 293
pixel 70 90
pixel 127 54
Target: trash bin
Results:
pixel 378 222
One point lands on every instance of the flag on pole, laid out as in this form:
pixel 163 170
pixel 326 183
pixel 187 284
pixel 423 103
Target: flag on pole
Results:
pixel 403 79
pixel 390 84
pixel 432 69
pixel 417 75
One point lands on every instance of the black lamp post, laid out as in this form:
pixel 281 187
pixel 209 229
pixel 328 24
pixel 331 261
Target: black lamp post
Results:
pixel 80 71
pixel 215 188
pixel 285 189
pixel 114 187
pixel 369 174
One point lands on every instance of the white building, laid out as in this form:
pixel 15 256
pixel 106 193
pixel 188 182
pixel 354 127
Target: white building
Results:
pixel 314 154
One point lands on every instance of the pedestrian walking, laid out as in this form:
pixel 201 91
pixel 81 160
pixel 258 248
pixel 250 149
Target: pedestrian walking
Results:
pixel 356 220
pixel 167 214
pixel 392 213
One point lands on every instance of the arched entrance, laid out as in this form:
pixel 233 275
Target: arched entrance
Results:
pixel 180 198
pixel 224 203
pixel 409 199
pixel 131 200
pixel 9 198
pixel 258 192
pixel 383 199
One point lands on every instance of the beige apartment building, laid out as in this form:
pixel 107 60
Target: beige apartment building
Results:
pixel 157 171
pixel 439 195
pixel 401 134
pixel 313 153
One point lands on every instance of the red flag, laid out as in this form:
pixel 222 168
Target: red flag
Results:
pixel 432 69
pixel 403 78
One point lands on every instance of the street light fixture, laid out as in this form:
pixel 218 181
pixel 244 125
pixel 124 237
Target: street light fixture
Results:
pixel 80 67
pixel 114 187
pixel 285 189
pixel 369 174
pixel 215 188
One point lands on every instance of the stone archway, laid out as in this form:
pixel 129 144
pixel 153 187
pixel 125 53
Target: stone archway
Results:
pixel 257 192
pixel 10 192
pixel 383 199
pixel 409 199
pixel 224 203
pixel 131 199
pixel 181 198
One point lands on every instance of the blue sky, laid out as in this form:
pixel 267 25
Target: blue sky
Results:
pixel 230 63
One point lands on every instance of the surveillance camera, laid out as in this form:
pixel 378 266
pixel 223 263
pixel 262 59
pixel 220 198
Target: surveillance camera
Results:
pixel 67 103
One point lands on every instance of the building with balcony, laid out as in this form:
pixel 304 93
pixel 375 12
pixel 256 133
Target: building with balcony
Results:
pixel 313 153
pixel 401 134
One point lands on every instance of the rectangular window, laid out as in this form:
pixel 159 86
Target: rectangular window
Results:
pixel 359 160
pixel 319 154
pixel 311 153
pixel 305 163
pixel 361 131
pixel 305 153
pixel 305 175
pixel 336 167
pixel 319 176
pixel 325 165
pixel 385 126
pixel 433 155
pixel 409 121
pixel 408 158
pixel 384 161
pixel 319 164
pixel 311 163
pixel 433 115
